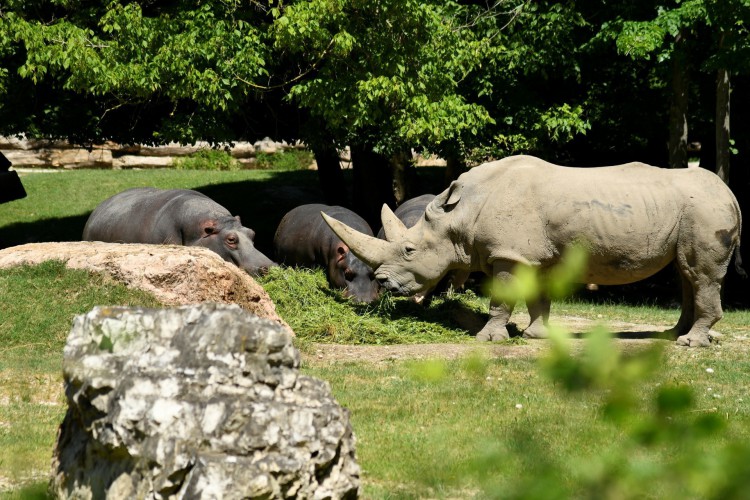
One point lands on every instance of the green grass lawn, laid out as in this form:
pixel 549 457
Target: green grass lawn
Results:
pixel 480 427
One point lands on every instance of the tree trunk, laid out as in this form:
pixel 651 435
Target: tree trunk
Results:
pixel 404 176
pixel 455 166
pixel 330 175
pixel 723 90
pixel 678 126
pixel 372 184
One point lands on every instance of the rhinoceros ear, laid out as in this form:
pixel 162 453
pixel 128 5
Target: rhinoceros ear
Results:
pixel 454 194
pixel 393 227
pixel 445 201
pixel 370 250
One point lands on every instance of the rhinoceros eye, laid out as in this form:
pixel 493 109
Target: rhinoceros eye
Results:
pixel 409 249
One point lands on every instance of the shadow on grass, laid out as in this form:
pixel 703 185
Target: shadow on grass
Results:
pixel 56 229
pixel 34 491
pixel 449 312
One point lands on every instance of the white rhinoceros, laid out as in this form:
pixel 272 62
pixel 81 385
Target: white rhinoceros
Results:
pixel 634 218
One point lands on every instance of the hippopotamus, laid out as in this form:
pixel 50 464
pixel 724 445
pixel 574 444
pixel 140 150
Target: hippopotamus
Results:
pixel 175 217
pixel 303 239
pixel 633 219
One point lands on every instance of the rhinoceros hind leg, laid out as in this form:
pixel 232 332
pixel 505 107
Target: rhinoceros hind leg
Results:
pixel 539 313
pixel 707 312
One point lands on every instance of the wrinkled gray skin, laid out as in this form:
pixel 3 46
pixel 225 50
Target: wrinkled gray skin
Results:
pixel 410 212
pixel 175 217
pixel 634 218
pixel 303 239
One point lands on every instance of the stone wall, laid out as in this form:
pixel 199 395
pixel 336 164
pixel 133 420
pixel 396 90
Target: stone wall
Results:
pixel 29 153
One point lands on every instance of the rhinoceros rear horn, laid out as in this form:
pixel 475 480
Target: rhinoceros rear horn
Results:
pixel 370 250
pixel 393 227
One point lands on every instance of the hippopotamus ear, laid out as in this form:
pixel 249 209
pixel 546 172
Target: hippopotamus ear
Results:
pixel 341 251
pixel 238 218
pixel 209 227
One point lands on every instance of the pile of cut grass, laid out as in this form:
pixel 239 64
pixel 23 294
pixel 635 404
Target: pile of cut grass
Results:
pixel 317 313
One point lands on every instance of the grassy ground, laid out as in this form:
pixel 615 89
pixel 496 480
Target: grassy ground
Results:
pixel 473 428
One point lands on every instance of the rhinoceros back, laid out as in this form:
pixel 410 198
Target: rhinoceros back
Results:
pixel 632 217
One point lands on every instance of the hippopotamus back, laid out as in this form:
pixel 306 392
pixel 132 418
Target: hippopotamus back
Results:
pixel 175 217
pixel 304 239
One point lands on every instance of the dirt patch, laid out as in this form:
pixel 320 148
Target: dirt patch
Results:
pixel 630 335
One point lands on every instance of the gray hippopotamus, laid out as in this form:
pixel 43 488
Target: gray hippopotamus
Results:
pixel 304 239
pixel 175 217
pixel 633 219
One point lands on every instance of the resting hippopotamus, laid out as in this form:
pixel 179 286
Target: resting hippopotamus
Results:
pixel 634 219
pixel 175 217
pixel 303 239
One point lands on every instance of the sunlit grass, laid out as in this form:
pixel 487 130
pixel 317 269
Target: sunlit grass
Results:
pixel 459 429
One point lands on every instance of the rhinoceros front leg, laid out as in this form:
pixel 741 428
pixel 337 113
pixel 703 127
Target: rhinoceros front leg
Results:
pixel 687 311
pixel 539 313
pixel 500 311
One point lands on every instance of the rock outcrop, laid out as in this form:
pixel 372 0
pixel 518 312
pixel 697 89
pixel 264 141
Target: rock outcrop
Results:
pixel 175 275
pixel 196 402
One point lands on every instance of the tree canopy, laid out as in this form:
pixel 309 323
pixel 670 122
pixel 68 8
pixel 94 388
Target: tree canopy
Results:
pixel 583 82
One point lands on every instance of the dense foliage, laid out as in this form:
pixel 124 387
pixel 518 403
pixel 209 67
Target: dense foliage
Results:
pixel 451 77
pixel 575 82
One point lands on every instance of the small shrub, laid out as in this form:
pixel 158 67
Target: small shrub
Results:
pixel 293 159
pixel 207 159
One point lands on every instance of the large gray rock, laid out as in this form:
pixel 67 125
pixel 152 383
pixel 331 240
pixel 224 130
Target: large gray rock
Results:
pixel 196 402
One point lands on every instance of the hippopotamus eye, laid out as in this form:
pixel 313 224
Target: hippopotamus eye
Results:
pixel 348 274
pixel 232 239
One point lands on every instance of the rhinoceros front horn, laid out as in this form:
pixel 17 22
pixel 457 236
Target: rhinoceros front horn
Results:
pixel 370 250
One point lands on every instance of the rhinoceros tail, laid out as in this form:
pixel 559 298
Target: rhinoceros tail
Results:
pixel 738 262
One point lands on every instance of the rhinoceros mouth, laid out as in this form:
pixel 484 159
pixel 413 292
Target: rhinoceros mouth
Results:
pixel 396 289
pixel 394 286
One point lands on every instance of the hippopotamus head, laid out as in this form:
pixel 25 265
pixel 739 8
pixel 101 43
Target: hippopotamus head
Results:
pixel 234 243
pixel 410 260
pixel 352 275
